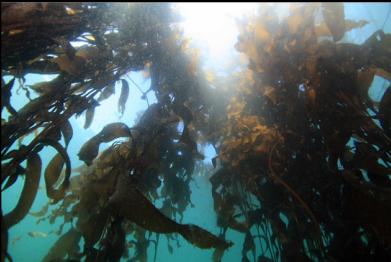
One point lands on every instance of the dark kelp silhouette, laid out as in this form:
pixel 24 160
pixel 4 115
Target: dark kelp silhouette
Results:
pixel 85 73
pixel 310 136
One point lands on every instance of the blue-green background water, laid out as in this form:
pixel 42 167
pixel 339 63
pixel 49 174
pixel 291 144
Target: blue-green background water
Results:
pixel 202 214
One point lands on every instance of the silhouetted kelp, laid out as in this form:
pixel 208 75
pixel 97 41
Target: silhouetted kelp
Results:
pixel 302 134
pixel 96 200
pixel 296 139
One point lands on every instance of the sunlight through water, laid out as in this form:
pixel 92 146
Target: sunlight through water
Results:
pixel 223 124
pixel 211 27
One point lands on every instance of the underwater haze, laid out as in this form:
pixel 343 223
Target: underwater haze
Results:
pixel 196 132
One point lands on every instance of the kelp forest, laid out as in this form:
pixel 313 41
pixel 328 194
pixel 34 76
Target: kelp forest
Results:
pixel 303 153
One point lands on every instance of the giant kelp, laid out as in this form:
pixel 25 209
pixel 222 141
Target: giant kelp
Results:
pixel 299 138
pixel 305 140
pixel 119 38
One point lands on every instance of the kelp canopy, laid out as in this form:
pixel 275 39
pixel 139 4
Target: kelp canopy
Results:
pixel 303 152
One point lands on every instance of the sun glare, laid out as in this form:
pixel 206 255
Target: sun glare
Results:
pixel 211 26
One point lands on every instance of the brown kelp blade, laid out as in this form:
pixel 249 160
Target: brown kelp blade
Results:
pixel 89 117
pixel 130 203
pixel 202 238
pixel 385 111
pixel 6 95
pixel 113 131
pixel 90 149
pixel 107 92
pixel 30 189
pixel 12 176
pixel 4 239
pixel 53 171
pixel 92 227
pixel 67 132
pixel 63 245
pixel 334 16
pixel 48 86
